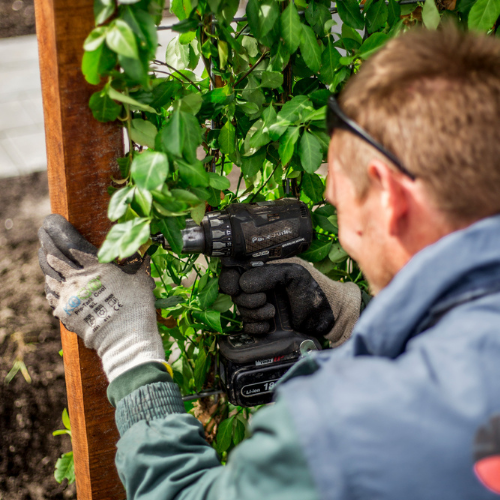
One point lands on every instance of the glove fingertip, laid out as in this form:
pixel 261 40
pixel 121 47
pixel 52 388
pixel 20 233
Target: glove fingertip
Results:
pixel 229 281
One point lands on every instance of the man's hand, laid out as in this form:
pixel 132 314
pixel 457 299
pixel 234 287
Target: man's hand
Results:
pixel 109 307
pixel 319 306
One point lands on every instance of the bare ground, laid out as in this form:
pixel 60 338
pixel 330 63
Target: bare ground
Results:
pixel 29 412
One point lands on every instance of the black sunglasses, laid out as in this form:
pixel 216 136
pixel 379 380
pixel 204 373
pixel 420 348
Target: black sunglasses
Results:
pixel 336 119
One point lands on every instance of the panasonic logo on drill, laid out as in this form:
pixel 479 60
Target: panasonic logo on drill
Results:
pixel 276 234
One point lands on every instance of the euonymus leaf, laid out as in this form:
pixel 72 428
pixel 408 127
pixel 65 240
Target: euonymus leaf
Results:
pixel 313 187
pixel 483 15
pixel 95 39
pixel 291 28
pixel 250 165
pixel 209 294
pixel 171 228
pixel 261 15
pixel 291 109
pixel 124 239
pixel 310 49
pixel 310 152
pixel 317 251
pixel 177 54
pixel 149 169
pixel 329 62
pixel 142 201
pixel 225 434
pixel 193 173
pixel 430 15
pixel 103 107
pixel 172 135
pixel 65 468
pixel 185 196
pixel 119 202
pixel 200 369
pixel 209 318
pixel 271 79
pixel 198 212
pixel 163 93
pixel 372 44
pixel 287 144
pixel 376 15
pixel 239 432
pixel 218 181
pixel 227 138
pixel 350 13
pixel 121 39
pixel 102 10
pixel 222 303
pixel 169 302
pixel 394 12
pixel 143 132
pixel 97 63
pixel 192 136
pixel 118 96
pixel 337 253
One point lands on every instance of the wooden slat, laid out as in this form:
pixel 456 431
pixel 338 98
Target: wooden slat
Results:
pixel 81 154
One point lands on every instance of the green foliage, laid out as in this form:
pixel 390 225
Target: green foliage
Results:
pixel 65 467
pixel 260 113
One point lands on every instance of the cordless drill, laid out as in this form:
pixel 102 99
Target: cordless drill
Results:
pixel 247 235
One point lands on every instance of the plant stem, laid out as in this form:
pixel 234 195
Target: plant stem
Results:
pixel 261 58
pixel 177 71
pixel 239 182
pixel 267 180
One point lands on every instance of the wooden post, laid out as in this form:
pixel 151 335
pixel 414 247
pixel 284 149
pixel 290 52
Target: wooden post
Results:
pixel 81 155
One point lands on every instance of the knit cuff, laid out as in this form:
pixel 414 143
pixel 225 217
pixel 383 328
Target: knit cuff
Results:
pixel 148 402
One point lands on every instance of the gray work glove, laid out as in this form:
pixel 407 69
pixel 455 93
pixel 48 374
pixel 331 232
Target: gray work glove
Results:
pixel 319 306
pixel 110 307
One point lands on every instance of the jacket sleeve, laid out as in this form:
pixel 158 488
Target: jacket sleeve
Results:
pixel 163 454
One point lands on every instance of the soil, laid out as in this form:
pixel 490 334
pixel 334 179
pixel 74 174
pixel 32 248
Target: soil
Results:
pixel 29 412
pixel 17 17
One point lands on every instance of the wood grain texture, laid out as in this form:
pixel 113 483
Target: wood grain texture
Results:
pixel 81 155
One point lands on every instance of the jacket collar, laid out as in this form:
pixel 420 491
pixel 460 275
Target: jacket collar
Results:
pixel 431 275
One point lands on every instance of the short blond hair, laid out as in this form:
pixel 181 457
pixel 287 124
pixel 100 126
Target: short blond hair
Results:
pixel 433 99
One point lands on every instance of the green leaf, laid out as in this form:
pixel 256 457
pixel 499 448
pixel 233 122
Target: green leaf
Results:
pixel 187 37
pixel 483 15
pixel 372 44
pixel 192 136
pixel 324 223
pixel 198 212
pixel 171 228
pixel 350 13
pixel 121 39
pixel 376 15
pixel 172 134
pixel 394 12
pixel 329 62
pixel 119 202
pixel 271 79
pixel 225 434
pixel 291 109
pixel 209 294
pixel 169 302
pixel 143 132
pixel 124 239
pixel 261 16
pixel 142 201
pixel 65 419
pixel 291 28
pixel 313 187
pixel 310 49
pixel 102 10
pixel 310 152
pixel 65 468
pixel 317 251
pixel 250 165
pixel 95 39
pixel 117 96
pixel 177 54
pixel 222 303
pixel 337 253
pixel 200 369
pixel 287 144
pixel 218 181
pixel 251 45
pixel 190 104
pixel 430 15
pixel 98 62
pixel 239 432
pixel 209 318
pixel 193 173
pixel 223 50
pixel 103 107
pixel 149 169
pixel 227 138
pixel 163 93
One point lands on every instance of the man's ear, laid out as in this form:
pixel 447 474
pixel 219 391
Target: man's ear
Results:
pixel 391 188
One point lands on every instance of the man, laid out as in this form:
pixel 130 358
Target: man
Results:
pixel 392 413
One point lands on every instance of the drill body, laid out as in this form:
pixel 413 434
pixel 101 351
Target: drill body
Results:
pixel 246 235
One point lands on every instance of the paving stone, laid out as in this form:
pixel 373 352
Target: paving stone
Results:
pixel 14 115
pixel 7 165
